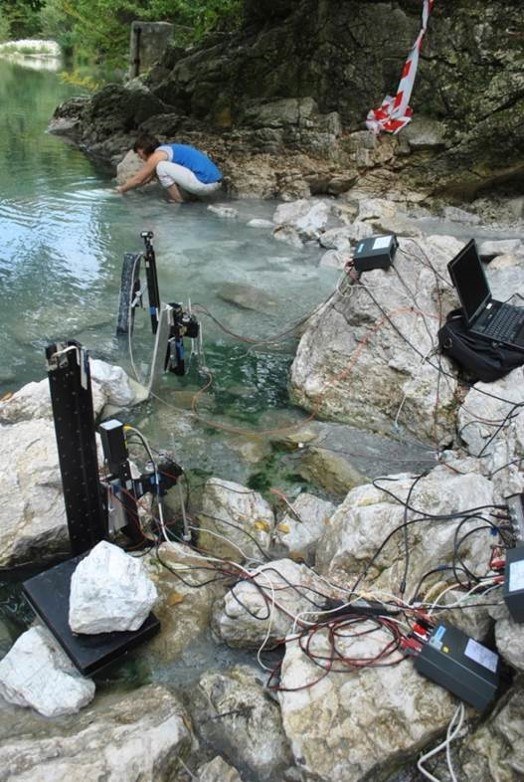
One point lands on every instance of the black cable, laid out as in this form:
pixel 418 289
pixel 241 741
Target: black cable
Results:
pixel 402 586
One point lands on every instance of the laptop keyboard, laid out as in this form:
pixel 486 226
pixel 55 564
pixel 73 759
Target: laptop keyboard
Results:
pixel 505 323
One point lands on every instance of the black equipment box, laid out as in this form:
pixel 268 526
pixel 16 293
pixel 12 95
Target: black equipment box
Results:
pixel 461 665
pixel 48 595
pixel 514 582
pixel 376 252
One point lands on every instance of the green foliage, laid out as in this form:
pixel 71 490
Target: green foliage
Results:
pixel 20 18
pixel 5 28
pixel 101 27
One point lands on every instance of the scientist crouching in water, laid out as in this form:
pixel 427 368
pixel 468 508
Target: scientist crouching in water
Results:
pixel 181 169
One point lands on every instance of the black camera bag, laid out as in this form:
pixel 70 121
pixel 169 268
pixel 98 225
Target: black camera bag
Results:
pixel 482 359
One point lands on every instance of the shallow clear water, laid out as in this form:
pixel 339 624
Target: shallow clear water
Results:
pixel 64 232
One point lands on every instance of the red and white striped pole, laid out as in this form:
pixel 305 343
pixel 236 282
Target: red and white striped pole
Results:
pixel 395 113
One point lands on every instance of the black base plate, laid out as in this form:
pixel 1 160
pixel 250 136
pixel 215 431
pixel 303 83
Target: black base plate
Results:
pixel 48 595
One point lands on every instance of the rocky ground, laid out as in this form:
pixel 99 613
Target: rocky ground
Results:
pixel 298 711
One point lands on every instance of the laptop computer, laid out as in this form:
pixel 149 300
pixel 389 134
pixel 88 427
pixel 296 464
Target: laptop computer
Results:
pixel 491 319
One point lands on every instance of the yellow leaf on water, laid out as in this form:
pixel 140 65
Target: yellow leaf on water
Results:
pixel 262 525
pixel 283 528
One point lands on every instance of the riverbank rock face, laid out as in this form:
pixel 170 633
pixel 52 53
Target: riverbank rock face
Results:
pixel 134 736
pixel 286 97
pixel 367 357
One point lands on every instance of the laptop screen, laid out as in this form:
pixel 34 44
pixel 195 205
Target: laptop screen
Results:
pixel 468 277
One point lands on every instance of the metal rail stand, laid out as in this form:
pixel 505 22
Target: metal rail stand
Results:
pixel 131 292
pixel 152 280
pixel 72 403
pixel 48 593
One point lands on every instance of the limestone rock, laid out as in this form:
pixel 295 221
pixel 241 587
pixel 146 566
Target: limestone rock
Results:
pixel 33 523
pixel 299 531
pixel 288 234
pixel 138 735
pixel 247 297
pixel 110 591
pixel 37 673
pixel 494 247
pixel 217 770
pixel 247 616
pixel 117 386
pixel 353 726
pixel 495 751
pixel 234 714
pixel 509 637
pixel 491 424
pixel 368 515
pixel 425 133
pixel 226 212
pixel 365 358
pixel 259 223
pixel 110 385
pixel 184 609
pixel 457 215
pixel 334 259
pixel 308 217
pixel 130 165
pixel 238 514
pixel 34 401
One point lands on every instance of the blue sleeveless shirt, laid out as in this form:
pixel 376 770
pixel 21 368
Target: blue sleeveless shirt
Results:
pixel 191 158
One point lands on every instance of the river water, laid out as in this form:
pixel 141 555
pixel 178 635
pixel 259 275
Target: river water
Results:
pixel 64 232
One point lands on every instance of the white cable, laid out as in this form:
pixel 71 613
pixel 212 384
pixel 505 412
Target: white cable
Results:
pixel 222 537
pixel 462 598
pixel 454 727
pixel 157 479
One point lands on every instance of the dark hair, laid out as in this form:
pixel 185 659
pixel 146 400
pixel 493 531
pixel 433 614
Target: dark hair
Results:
pixel 147 144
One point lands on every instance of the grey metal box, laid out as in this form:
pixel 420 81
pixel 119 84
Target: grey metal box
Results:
pixel 461 665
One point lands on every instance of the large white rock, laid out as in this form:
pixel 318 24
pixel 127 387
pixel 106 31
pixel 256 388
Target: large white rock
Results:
pixel 34 401
pixel 110 590
pixel 37 673
pixel 309 217
pixel 352 726
pixel 235 522
pixel 110 385
pixel 368 357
